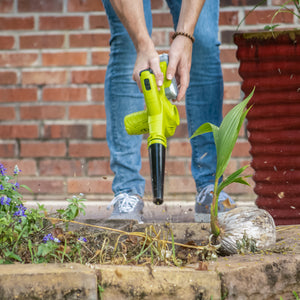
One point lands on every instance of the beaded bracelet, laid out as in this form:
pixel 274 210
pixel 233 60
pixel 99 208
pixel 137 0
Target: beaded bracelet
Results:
pixel 184 34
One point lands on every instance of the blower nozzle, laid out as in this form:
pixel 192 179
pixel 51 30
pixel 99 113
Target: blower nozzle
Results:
pixel 157 156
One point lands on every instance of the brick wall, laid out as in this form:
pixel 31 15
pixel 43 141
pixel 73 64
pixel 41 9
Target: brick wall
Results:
pixel 53 57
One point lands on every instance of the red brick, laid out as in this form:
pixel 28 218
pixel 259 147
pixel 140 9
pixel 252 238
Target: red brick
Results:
pixel 99 131
pixel 8 77
pixel 98 21
pixel 180 185
pixel 181 131
pixel 41 41
pixel 18 131
pixel 157 4
pixel 59 131
pixel 144 149
pixel 27 166
pixel 99 149
pixel 61 23
pixel 241 149
pixel 181 110
pixel 173 167
pixel 99 168
pixel 228 56
pixel 232 92
pixel 88 76
pixel 228 18
pixel 87 112
pixel 225 3
pixel 64 94
pixel 176 167
pixel 42 112
pixel 89 185
pixel 85 6
pixel 182 149
pixel 98 94
pixel 145 169
pixel 60 167
pixel 231 74
pixel 100 58
pixel 227 107
pixel 278 2
pixel 42 185
pixel 18 59
pixel 7 113
pixel 89 40
pixel 18 95
pixel 236 189
pixel 43 149
pixel 8 149
pixel 6 6
pixel 40 6
pixel 44 77
pixel 227 36
pixel 162 20
pixel 265 17
pixel 231 168
pixel 6 42
pixel 64 59
pixel 17 23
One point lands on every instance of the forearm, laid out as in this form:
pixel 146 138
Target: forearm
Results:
pixel 131 14
pixel 189 15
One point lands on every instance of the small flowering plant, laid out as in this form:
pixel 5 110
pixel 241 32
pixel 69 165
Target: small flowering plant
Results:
pixel 25 230
pixel 10 198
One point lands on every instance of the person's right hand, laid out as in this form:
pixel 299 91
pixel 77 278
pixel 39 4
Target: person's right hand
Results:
pixel 147 58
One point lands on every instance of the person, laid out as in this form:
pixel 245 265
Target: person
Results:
pixel 194 60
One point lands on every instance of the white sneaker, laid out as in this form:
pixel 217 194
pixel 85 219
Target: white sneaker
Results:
pixel 127 207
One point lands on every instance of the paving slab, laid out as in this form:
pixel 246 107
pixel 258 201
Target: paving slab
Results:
pixel 47 281
pixel 160 283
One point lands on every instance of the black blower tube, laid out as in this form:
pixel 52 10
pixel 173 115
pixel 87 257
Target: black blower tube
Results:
pixel 157 167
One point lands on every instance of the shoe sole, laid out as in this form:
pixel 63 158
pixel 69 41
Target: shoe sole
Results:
pixel 205 218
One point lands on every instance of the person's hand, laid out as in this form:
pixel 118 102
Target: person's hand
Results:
pixel 180 58
pixel 147 58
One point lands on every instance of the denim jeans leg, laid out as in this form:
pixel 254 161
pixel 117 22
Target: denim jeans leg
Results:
pixel 204 97
pixel 123 97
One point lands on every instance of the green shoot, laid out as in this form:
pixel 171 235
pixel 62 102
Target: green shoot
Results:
pixel 225 138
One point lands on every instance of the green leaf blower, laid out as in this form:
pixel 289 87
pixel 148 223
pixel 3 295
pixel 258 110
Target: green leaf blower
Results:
pixel 160 120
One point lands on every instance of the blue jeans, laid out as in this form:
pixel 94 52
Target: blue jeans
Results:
pixel 122 97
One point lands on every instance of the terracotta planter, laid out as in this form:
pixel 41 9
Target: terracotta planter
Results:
pixel 272 65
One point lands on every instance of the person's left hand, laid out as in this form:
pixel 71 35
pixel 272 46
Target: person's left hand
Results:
pixel 180 58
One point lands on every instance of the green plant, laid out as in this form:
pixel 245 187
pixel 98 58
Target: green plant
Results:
pixel 286 7
pixel 25 230
pixel 225 138
pixel 76 206
pixel 296 295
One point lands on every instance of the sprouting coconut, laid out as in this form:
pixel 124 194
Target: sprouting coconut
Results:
pixel 241 225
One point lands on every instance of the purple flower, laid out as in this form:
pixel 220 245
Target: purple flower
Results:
pixel 4 200
pixel 21 211
pixel 2 170
pixel 1 187
pixel 49 237
pixel 82 239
